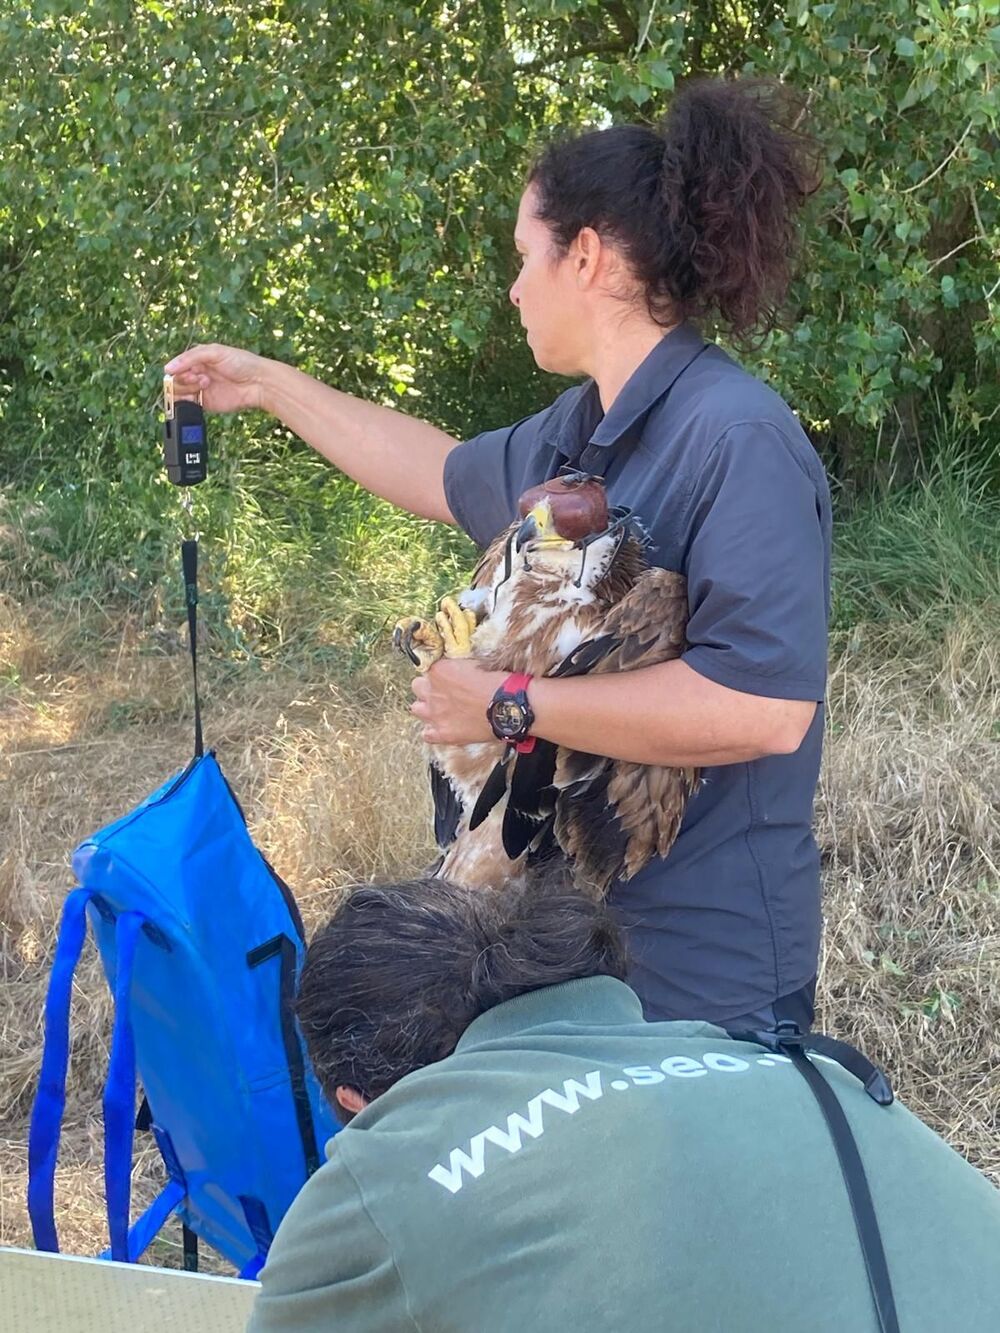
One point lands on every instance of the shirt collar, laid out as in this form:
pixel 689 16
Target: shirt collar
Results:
pixel 647 384
pixel 589 1002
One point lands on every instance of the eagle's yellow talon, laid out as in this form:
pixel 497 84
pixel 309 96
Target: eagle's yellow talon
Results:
pixel 455 626
pixel 419 640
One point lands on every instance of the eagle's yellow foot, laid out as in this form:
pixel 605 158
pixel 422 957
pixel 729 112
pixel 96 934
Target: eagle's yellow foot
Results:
pixel 420 640
pixel 456 626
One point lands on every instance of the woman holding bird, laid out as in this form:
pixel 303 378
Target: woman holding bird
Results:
pixel 628 237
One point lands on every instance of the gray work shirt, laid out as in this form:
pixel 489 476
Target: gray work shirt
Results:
pixel 734 496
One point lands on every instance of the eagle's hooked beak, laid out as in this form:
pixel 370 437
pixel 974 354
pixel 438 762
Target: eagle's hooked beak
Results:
pixel 528 531
pixel 537 529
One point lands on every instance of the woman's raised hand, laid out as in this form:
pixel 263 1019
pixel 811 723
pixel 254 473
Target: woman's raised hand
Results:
pixel 228 378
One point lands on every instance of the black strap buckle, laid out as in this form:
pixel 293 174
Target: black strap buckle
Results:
pixel 786 1038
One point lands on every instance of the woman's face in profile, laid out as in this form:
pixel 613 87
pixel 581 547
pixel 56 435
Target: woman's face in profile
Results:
pixel 546 296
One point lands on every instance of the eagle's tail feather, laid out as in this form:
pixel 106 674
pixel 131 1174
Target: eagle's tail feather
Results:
pixel 519 831
pixel 589 831
pixel 447 807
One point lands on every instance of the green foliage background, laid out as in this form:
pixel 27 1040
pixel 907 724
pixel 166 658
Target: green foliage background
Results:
pixel 336 186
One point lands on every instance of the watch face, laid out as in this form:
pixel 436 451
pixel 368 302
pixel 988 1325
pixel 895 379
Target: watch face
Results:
pixel 508 717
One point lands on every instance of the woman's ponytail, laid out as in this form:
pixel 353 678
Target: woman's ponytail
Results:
pixel 735 173
pixel 704 209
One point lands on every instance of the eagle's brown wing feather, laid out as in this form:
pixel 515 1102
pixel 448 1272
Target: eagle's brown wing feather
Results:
pixel 648 623
pixel 645 802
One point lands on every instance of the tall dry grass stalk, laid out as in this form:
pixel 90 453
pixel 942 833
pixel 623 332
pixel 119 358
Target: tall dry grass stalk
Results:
pixel 94 715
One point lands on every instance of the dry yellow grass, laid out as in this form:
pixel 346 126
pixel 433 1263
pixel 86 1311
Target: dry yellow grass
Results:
pixel 95 713
pixel 909 824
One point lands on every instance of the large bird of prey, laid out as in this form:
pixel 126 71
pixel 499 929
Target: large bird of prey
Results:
pixel 566 590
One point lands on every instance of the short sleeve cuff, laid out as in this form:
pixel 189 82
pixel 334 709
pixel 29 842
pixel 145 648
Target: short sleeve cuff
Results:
pixel 457 466
pixel 707 662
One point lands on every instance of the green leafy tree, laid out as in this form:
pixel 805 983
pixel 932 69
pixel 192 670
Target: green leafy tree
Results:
pixel 336 186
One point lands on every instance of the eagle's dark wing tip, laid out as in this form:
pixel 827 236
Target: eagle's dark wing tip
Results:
pixel 493 790
pixel 585 655
pixel 447 807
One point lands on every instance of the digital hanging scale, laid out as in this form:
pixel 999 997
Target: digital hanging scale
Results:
pixel 185 439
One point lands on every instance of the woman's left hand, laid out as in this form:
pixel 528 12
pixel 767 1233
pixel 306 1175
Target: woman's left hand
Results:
pixel 451 701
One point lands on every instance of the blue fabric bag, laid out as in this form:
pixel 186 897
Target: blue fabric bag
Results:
pixel 201 944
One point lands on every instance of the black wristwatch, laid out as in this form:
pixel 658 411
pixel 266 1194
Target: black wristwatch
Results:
pixel 510 715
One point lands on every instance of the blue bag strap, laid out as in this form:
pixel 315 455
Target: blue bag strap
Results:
pixel 282 948
pixel 147 1226
pixel 50 1099
pixel 150 1223
pixel 259 1226
pixel 119 1091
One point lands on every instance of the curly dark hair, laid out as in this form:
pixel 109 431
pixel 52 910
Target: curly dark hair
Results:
pixel 401 970
pixel 704 207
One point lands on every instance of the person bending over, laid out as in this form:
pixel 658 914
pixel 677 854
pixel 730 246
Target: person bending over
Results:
pixel 525 1152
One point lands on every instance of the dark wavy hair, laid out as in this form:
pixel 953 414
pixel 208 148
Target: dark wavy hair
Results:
pixel 401 970
pixel 704 208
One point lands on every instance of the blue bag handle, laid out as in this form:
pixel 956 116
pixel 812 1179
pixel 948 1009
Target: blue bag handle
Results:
pixel 119 1091
pixel 249 1271
pixel 50 1099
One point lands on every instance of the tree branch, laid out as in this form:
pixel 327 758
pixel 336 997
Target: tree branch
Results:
pixel 622 18
pixel 940 260
pixel 937 170
pixel 643 36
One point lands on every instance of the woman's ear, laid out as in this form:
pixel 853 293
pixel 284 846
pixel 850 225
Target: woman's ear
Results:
pixel 587 255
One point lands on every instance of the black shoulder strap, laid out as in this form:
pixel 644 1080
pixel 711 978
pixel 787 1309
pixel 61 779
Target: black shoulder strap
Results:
pixel 787 1040
pixel 189 564
pixel 595 460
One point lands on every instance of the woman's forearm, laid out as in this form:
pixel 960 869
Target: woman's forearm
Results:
pixel 666 714
pixel 393 455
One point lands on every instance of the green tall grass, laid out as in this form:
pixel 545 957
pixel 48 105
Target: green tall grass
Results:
pixel 922 553
pixel 295 558
pixel 299 561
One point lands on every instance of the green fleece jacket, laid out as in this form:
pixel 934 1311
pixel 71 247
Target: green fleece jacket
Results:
pixel 572 1167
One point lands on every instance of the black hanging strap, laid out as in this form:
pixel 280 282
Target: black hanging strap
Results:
pixel 189 1240
pixel 788 1040
pixel 189 564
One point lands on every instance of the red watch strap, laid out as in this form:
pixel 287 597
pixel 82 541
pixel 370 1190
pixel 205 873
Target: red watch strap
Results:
pixel 517 680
